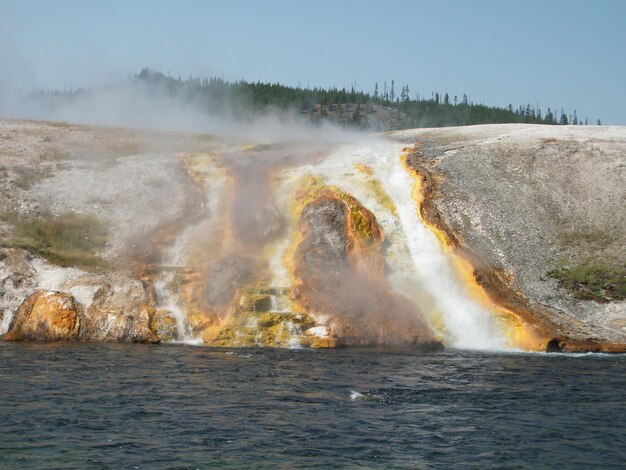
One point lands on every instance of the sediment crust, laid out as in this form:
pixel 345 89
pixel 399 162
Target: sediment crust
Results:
pixel 498 283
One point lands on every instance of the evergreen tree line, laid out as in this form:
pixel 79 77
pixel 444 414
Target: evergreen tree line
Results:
pixel 351 107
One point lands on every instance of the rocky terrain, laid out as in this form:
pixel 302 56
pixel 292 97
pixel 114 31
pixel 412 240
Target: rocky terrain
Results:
pixel 79 212
pixel 112 234
pixel 539 211
pixel 119 235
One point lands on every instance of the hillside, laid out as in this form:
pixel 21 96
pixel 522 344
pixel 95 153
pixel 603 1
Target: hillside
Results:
pixel 539 211
pixel 389 107
pixel 111 234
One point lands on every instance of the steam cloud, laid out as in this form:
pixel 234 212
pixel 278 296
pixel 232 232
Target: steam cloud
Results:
pixel 136 104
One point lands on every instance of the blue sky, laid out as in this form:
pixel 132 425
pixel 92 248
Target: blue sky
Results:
pixel 567 54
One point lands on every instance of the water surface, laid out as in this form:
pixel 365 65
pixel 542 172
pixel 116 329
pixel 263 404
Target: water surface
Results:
pixel 164 406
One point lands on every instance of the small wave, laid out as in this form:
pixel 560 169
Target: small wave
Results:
pixel 583 354
pixel 238 354
pixel 354 395
pixel 401 395
pixel 590 354
pixel 188 342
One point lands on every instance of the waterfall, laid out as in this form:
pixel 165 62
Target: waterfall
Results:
pixel 417 265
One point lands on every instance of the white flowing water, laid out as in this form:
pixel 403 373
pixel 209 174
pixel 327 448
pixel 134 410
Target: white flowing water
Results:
pixel 467 324
pixel 417 264
pixel 178 256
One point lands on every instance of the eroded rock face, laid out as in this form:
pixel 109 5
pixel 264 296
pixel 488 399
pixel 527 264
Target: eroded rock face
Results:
pixel 340 269
pixel 163 325
pixel 46 316
pixel 116 314
pixel 17 281
pixel 120 313
pixel 110 306
pixel 521 200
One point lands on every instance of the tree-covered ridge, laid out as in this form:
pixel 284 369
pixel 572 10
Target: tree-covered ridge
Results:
pixel 384 109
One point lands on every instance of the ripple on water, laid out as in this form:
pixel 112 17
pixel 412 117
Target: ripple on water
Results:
pixel 121 406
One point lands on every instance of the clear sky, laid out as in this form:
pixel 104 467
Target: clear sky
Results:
pixel 560 53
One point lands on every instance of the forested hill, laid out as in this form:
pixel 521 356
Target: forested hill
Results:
pixel 386 108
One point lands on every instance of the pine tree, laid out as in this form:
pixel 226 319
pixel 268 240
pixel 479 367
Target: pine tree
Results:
pixel 392 92
pixel 376 91
pixel 356 115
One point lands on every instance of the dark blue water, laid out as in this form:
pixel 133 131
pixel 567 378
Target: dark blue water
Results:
pixel 151 407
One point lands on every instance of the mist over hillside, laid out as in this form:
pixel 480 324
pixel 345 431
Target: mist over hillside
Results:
pixel 151 99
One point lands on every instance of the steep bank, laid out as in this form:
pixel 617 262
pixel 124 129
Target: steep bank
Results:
pixel 152 236
pixel 539 212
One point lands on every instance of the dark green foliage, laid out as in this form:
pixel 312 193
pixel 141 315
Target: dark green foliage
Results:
pixel 593 281
pixel 243 100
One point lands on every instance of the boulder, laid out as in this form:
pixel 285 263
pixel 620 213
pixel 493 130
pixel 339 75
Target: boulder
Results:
pixel 120 313
pixel 45 316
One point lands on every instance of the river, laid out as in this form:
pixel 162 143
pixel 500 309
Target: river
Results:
pixel 86 405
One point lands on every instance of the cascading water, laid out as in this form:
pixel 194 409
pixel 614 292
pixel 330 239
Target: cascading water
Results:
pixel 417 266
pixel 178 258
pixel 467 324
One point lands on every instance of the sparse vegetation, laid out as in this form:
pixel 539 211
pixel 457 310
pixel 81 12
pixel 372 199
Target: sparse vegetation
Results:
pixel 27 177
pixel 53 154
pixel 587 238
pixel 593 280
pixel 66 240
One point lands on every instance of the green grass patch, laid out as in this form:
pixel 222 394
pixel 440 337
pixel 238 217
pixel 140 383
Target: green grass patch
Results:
pixel 66 240
pixel 593 281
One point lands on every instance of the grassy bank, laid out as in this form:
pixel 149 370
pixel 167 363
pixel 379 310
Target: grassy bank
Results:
pixel 65 240
pixel 593 280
